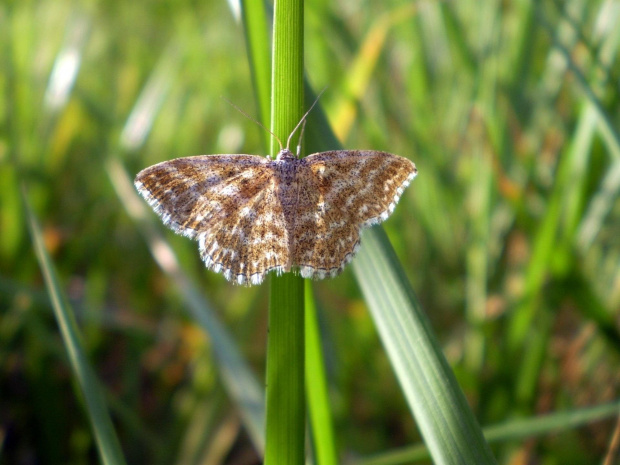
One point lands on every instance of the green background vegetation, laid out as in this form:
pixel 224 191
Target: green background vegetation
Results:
pixel 510 235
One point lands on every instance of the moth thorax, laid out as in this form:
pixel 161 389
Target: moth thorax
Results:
pixel 284 154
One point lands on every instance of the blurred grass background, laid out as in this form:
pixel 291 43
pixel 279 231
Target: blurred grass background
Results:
pixel 510 235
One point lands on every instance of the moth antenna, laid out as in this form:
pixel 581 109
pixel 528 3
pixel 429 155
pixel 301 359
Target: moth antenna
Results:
pixel 303 119
pixel 255 120
pixel 301 136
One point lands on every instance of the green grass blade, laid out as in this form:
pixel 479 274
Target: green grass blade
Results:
pixel 444 418
pixel 319 410
pixel 257 43
pixel 509 431
pixel 108 445
pixel 285 410
pixel 552 423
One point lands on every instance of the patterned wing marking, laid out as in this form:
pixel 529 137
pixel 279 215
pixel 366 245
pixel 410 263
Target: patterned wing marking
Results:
pixel 250 241
pixel 328 236
pixel 384 178
pixel 324 241
pixel 192 194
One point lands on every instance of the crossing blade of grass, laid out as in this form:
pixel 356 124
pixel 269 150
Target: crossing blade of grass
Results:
pixel 107 442
pixel 443 416
pixel 240 382
pixel 509 431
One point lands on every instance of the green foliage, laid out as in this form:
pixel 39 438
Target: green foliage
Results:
pixel 509 235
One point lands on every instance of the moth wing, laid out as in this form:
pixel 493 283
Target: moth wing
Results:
pixel 192 194
pixel 342 192
pixel 227 203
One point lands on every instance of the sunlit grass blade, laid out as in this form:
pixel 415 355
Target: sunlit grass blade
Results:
pixel 442 414
pixel 107 442
pixel 344 108
pixel 147 107
pixel 237 377
pixel 67 64
pixel 509 431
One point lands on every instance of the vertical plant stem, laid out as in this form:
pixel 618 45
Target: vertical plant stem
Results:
pixel 285 409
